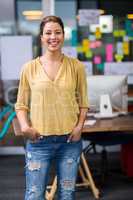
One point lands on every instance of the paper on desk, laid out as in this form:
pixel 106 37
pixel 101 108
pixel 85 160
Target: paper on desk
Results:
pixel 89 122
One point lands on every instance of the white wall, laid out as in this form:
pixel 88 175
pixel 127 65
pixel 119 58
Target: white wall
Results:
pixel 15 51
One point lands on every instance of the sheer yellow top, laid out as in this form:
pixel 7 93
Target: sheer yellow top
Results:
pixel 53 106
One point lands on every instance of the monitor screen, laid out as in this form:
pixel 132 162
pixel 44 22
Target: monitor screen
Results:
pixel 114 85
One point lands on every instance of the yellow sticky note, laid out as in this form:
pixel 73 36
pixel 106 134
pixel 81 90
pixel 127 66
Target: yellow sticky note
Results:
pixel 85 42
pixel 122 33
pixel 98 33
pixel 116 33
pixel 80 49
pixel 126 48
pixel 85 45
pixel 118 57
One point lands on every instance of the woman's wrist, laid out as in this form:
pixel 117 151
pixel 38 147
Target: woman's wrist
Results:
pixel 80 126
pixel 25 127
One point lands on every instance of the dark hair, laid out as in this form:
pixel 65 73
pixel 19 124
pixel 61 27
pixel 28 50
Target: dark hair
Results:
pixel 51 18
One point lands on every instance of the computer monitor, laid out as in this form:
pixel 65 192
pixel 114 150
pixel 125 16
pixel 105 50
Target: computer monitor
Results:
pixel 114 85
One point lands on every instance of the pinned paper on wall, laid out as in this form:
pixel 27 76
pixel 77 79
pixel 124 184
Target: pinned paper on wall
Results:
pixel 106 23
pixel 122 33
pixel 98 33
pixel 109 52
pixel 118 57
pixel 92 37
pixel 126 49
pixel 126 38
pixel 100 67
pixel 129 27
pixel 70 51
pixel 88 16
pixel 116 33
pixel 74 38
pixel 85 44
pixel 80 49
pixel 88 54
pixel 98 43
pixel 97 59
pixel 93 45
pixel 88 67
pixel 119 33
pixel 119 48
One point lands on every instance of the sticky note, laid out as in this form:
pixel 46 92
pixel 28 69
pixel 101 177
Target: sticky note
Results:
pixel 97 59
pixel 109 52
pixel 100 66
pixel 126 48
pixel 118 57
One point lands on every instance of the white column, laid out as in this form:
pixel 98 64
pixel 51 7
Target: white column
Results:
pixel 48 7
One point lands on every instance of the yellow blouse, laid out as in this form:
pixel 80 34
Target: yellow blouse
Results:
pixel 53 106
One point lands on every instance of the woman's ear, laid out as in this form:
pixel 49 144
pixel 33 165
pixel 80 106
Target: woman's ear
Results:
pixel 41 38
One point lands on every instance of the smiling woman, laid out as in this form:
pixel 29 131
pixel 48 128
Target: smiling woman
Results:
pixel 53 91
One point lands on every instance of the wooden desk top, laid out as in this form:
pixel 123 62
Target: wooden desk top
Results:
pixel 116 124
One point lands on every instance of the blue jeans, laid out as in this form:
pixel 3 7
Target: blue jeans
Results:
pixel 39 155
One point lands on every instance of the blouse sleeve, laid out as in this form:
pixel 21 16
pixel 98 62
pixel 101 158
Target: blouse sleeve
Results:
pixel 82 95
pixel 23 95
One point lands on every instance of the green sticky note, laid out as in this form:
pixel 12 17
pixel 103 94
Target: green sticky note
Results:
pixel 88 54
pixel 74 38
pixel 80 49
pixel 129 27
pixel 100 66
pixel 116 33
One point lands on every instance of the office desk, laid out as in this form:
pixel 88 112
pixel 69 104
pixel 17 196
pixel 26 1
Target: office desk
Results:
pixel 119 124
pixel 106 132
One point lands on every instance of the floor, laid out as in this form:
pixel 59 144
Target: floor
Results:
pixel 116 185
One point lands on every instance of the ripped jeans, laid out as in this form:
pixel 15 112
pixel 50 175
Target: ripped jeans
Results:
pixel 39 155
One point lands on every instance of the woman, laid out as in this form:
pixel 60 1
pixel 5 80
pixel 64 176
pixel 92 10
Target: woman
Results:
pixel 51 108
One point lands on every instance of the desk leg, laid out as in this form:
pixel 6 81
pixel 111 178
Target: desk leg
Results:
pixel 50 195
pixel 89 177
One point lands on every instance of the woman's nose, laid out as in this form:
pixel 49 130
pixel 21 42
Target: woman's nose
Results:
pixel 53 35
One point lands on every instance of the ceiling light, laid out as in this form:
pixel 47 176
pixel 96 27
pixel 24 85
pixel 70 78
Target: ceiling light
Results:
pixel 130 16
pixel 32 12
pixel 32 17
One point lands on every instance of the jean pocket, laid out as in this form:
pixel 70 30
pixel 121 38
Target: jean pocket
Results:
pixel 77 141
pixel 35 141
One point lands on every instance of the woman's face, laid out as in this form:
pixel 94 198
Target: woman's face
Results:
pixel 53 36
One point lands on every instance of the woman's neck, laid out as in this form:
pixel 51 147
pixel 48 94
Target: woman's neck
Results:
pixel 52 56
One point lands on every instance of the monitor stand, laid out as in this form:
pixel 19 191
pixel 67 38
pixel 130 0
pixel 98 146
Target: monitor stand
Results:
pixel 105 105
pixel 105 108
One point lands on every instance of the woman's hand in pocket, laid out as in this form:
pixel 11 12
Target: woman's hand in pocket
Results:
pixel 30 133
pixel 75 134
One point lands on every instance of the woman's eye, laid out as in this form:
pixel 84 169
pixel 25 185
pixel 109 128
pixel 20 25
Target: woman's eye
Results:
pixel 58 32
pixel 55 33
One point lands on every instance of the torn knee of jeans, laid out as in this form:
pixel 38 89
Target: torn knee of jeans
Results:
pixel 68 184
pixel 33 189
pixel 29 155
pixel 34 165
pixel 71 160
